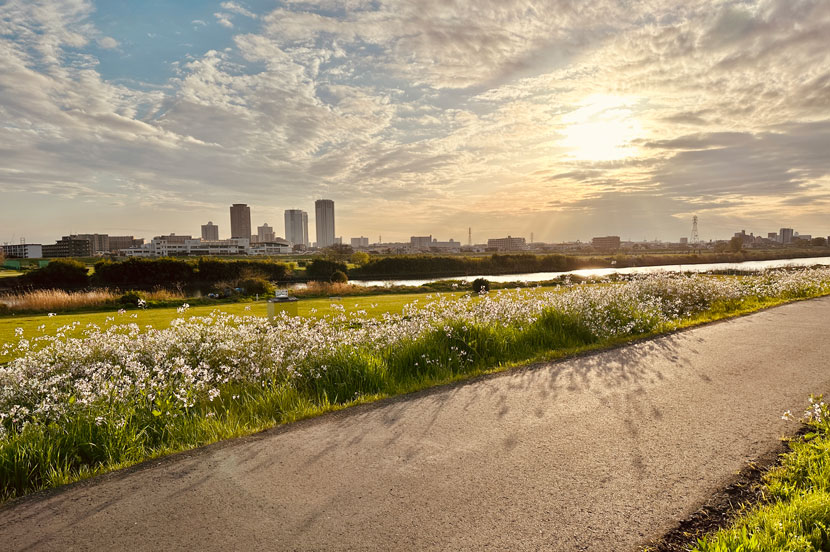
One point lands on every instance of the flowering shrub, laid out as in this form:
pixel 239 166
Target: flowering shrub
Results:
pixel 123 388
pixel 54 377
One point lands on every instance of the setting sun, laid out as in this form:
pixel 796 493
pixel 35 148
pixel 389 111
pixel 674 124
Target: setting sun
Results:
pixel 601 129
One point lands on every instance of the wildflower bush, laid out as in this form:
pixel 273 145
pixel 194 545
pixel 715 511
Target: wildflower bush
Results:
pixel 72 406
pixel 795 512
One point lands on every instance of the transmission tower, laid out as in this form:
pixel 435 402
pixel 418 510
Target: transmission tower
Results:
pixel 470 236
pixel 695 236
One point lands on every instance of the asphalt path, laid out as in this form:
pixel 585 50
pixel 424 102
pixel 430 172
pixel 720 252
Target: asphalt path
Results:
pixel 602 452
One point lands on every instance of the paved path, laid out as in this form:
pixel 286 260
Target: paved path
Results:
pixel 597 453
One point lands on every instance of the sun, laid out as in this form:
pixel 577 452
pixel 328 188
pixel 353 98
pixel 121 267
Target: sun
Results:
pixel 601 129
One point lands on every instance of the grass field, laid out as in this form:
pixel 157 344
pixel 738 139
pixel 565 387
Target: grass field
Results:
pixel 5 273
pixel 34 325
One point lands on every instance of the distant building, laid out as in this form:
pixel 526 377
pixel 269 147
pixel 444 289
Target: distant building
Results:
pixel 506 244
pixel 119 243
pixel 240 221
pixel 210 231
pixel 785 235
pixel 23 251
pixel 160 247
pixel 360 242
pixel 606 243
pixel 68 246
pixel 772 236
pixel 99 243
pixel 324 213
pixel 684 241
pixel 420 242
pixel 173 238
pixel 265 234
pixel 296 227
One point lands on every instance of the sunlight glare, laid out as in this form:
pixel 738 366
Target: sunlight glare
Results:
pixel 601 129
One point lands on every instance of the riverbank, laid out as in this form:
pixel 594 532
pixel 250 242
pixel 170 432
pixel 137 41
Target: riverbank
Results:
pixel 117 395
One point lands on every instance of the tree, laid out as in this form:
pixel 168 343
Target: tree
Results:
pixel 338 252
pixel 359 258
pixel 819 242
pixel 736 243
pixel 61 274
pixel 321 270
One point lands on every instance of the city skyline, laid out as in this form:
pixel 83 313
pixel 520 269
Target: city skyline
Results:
pixel 508 117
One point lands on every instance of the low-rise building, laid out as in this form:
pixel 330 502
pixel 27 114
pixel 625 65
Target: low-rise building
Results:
pixel 23 251
pixel 506 244
pixel 606 243
pixel 69 246
pixel 161 247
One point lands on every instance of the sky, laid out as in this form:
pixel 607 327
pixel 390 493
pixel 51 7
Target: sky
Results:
pixel 562 118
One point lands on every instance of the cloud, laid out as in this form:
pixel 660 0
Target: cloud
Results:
pixel 107 42
pixel 224 19
pixel 458 113
pixel 236 8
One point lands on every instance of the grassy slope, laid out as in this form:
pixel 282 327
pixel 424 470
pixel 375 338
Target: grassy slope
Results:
pixel 57 455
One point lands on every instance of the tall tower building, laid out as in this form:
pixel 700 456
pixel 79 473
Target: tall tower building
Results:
pixel 240 221
pixel 210 232
pixel 324 212
pixel 296 227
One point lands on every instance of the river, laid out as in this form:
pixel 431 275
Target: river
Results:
pixel 587 272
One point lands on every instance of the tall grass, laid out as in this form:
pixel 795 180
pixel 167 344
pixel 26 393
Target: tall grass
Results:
pixel 59 300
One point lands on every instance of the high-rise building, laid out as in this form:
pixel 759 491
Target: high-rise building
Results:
pixel 240 221
pixel 296 227
pixel 362 241
pixel 210 231
pixel 265 234
pixel 324 212
pixel 785 235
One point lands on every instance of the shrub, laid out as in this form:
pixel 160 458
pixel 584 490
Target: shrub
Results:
pixel 481 284
pixel 59 274
pixel 130 298
pixel 253 286
pixel 322 269
pixel 339 277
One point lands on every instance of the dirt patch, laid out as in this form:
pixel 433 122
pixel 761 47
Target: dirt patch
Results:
pixel 744 490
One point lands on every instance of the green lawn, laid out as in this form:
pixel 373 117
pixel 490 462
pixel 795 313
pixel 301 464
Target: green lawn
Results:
pixel 374 305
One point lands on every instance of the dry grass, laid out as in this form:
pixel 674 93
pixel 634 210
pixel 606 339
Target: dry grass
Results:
pixel 162 295
pixel 59 300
